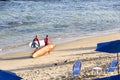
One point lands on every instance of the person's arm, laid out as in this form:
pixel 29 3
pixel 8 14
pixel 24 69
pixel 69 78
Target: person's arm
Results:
pixel 38 42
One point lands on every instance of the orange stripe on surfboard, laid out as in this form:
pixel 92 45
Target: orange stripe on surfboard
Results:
pixel 43 50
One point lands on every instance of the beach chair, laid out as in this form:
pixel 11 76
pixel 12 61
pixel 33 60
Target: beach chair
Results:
pixel 77 68
pixel 112 66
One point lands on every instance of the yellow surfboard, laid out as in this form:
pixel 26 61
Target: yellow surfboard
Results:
pixel 42 51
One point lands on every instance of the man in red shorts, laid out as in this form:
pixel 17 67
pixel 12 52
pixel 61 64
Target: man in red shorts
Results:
pixel 46 40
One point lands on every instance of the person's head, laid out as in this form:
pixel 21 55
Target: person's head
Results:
pixel 36 36
pixel 46 35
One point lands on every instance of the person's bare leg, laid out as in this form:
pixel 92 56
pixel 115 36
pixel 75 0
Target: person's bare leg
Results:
pixel 48 52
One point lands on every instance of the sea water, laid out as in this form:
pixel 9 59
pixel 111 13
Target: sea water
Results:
pixel 62 20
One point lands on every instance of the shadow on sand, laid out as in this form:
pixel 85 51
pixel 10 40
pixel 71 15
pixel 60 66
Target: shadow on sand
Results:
pixel 16 58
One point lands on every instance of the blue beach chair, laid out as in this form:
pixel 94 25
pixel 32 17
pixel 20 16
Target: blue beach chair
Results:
pixel 112 66
pixel 77 68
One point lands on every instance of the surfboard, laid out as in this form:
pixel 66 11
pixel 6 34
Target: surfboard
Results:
pixel 42 43
pixel 43 50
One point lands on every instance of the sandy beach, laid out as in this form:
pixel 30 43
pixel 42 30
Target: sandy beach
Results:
pixel 58 64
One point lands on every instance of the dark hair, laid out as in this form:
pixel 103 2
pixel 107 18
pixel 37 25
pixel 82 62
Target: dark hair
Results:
pixel 46 35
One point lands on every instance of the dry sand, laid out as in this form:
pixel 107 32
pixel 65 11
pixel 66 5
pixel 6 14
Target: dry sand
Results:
pixel 58 64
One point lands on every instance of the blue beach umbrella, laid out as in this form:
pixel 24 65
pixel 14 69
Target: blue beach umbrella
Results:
pixel 115 77
pixel 110 47
pixel 7 75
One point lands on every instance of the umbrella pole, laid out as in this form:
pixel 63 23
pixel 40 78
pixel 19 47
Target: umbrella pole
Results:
pixel 118 62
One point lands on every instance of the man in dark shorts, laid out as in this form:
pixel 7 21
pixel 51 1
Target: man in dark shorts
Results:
pixel 34 44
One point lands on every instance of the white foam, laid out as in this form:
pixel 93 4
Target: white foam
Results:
pixel 0 49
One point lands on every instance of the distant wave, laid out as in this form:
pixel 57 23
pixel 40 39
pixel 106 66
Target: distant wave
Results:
pixel 34 0
pixel 63 0
pixel 4 0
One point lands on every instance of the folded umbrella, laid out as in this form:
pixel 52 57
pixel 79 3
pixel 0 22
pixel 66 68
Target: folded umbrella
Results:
pixel 7 75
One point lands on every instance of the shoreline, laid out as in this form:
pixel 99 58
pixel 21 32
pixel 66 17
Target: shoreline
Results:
pixel 23 47
pixel 64 55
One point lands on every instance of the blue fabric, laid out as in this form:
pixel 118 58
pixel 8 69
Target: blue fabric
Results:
pixel 115 77
pixel 112 66
pixel 77 67
pixel 7 75
pixel 109 47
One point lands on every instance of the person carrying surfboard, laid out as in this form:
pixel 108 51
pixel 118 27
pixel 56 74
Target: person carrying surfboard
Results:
pixel 46 40
pixel 37 45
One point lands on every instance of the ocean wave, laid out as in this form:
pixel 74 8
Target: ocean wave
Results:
pixel 29 6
